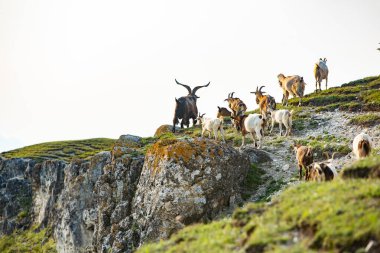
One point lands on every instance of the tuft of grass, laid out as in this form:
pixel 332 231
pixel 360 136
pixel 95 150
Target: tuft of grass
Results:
pixel 253 180
pixel 368 167
pixel 339 216
pixel 62 150
pixel 31 240
pixel 273 186
pixel 366 120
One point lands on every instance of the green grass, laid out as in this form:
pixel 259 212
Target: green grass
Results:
pixel 339 216
pixel 368 167
pixel 326 143
pixel 359 95
pixel 253 180
pixel 273 187
pixel 62 150
pixel 30 240
pixel 366 120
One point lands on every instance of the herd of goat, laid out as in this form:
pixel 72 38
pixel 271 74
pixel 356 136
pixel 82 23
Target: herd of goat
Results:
pixel 254 124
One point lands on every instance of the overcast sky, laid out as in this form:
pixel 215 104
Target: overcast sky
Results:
pixel 85 69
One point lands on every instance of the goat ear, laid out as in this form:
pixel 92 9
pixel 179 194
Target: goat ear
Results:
pixel 325 60
pixel 176 100
pixel 301 79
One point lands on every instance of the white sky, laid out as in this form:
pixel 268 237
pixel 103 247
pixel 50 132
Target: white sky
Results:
pixel 85 69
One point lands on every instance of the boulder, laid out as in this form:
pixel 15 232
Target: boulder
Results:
pixel 186 181
pixel 164 129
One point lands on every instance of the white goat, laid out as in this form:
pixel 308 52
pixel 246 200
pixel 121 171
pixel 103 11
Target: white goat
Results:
pixel 253 124
pixel 211 125
pixel 362 145
pixel 282 117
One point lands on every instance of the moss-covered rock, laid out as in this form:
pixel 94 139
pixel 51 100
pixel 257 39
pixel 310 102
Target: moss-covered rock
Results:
pixel 185 181
pixel 163 130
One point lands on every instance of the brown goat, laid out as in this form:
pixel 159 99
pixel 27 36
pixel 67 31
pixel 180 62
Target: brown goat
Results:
pixel 321 172
pixel 293 85
pixel 304 156
pixel 265 102
pixel 237 106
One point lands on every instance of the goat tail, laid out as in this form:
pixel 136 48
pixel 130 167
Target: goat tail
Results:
pixel 364 147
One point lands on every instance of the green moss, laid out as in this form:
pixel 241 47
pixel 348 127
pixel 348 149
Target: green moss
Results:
pixel 31 240
pixel 63 150
pixel 368 167
pixel 369 119
pixel 340 216
pixel 253 180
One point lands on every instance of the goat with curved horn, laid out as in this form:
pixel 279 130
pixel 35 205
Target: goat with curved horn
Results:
pixel 184 85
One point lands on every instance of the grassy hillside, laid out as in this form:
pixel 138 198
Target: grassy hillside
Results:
pixel 340 216
pixel 63 150
pixel 32 240
pixel 359 95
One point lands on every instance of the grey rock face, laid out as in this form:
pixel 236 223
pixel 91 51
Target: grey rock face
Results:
pixel 15 194
pixel 120 199
pixel 186 181
pixel 77 204
pixel 115 190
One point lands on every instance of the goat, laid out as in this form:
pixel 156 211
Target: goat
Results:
pixel 265 102
pixel 282 117
pixel 362 145
pixel 186 107
pixel 223 112
pixel 211 125
pixel 253 124
pixel 322 172
pixel 304 156
pixel 320 72
pixel 293 85
pixel 237 106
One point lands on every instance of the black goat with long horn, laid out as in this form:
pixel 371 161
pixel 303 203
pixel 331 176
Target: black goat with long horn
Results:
pixel 186 106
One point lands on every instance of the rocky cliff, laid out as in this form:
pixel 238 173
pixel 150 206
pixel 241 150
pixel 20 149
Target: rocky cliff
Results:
pixel 120 199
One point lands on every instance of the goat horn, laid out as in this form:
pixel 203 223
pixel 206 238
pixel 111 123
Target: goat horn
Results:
pixel 232 94
pixel 198 87
pixel 261 88
pixel 186 86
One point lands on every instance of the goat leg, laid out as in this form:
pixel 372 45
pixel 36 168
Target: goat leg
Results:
pixel 300 171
